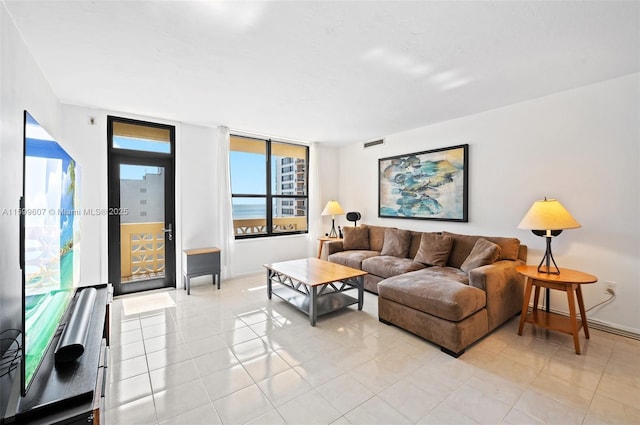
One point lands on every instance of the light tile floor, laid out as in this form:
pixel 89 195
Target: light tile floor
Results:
pixel 231 356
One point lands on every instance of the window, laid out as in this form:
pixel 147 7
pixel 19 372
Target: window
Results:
pixel 268 178
pixel 141 138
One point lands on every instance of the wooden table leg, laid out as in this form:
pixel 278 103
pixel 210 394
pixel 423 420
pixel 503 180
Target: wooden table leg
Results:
pixel 320 249
pixel 572 317
pixel 536 298
pixel 525 304
pixel 583 313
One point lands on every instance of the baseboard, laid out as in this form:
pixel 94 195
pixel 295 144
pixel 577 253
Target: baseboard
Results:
pixel 602 326
pixel 606 327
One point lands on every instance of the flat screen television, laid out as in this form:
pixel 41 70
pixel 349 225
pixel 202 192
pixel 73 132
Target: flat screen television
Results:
pixel 49 243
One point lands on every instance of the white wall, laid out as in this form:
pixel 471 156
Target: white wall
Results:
pixel 197 177
pixel 195 208
pixel 86 142
pixel 22 86
pixel 579 146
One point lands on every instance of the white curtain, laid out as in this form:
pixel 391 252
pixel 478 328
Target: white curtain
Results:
pixel 223 224
pixel 315 201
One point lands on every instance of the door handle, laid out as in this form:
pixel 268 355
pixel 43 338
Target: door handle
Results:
pixel 168 230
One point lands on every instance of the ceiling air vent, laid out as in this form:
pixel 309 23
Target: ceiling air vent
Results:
pixel 374 143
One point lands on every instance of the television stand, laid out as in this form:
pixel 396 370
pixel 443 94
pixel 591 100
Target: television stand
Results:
pixel 71 393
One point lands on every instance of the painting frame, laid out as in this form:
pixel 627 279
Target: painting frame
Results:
pixel 426 185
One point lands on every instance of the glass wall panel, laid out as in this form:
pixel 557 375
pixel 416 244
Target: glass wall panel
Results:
pixel 289 215
pixel 248 166
pixel 141 137
pixel 253 163
pixel 141 227
pixel 249 216
pixel 288 169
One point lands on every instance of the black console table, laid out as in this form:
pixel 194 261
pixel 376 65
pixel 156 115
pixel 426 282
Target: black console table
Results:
pixel 71 393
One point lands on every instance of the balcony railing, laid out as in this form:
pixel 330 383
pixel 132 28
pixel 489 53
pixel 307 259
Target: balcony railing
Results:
pixel 141 250
pixel 256 226
pixel 142 244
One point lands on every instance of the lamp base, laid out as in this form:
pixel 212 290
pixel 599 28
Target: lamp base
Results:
pixel 333 233
pixel 547 260
pixel 545 270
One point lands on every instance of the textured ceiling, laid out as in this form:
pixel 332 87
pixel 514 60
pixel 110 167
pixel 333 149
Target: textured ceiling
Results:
pixel 323 71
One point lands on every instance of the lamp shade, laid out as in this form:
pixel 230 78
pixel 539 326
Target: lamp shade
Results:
pixel 548 214
pixel 332 208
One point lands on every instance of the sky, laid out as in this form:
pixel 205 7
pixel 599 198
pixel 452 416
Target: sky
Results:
pixel 137 172
pixel 244 169
pixel 248 175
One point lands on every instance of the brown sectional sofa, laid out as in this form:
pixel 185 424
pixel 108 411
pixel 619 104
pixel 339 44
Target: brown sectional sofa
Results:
pixel 472 289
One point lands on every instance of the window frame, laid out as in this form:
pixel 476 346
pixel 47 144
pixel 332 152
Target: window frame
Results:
pixel 269 197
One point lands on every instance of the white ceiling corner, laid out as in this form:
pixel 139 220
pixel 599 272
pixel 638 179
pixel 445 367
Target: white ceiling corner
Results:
pixel 327 71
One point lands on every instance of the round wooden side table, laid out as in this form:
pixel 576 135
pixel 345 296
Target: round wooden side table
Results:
pixel 568 281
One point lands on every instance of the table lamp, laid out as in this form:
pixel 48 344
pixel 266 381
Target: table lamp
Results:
pixel 548 218
pixel 332 208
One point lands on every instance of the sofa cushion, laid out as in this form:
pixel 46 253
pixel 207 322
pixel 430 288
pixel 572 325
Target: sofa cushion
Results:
pixel 376 237
pixel 416 237
pixel 434 249
pixel 396 242
pixel 463 244
pixel 389 265
pixel 352 258
pixel 483 253
pixel 371 282
pixel 449 273
pixel 509 247
pixel 422 291
pixel 356 238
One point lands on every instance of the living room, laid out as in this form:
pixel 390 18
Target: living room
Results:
pixel 574 137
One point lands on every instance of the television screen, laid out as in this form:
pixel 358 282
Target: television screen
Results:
pixel 50 218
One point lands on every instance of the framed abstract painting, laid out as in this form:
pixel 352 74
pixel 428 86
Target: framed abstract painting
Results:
pixel 429 185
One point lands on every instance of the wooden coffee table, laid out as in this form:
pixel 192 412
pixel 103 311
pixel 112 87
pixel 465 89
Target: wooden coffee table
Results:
pixel 314 286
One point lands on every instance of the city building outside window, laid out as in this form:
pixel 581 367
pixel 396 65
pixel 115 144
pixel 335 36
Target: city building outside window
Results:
pixel 269 184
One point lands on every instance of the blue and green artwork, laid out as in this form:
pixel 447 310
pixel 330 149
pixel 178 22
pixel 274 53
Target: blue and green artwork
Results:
pixel 424 185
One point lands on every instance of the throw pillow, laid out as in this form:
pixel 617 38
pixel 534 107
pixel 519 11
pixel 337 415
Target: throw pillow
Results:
pixel 483 253
pixel 434 249
pixel 355 238
pixel 396 242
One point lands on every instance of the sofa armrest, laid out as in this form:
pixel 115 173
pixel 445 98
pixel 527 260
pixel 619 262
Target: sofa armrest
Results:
pixel 504 288
pixel 331 247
